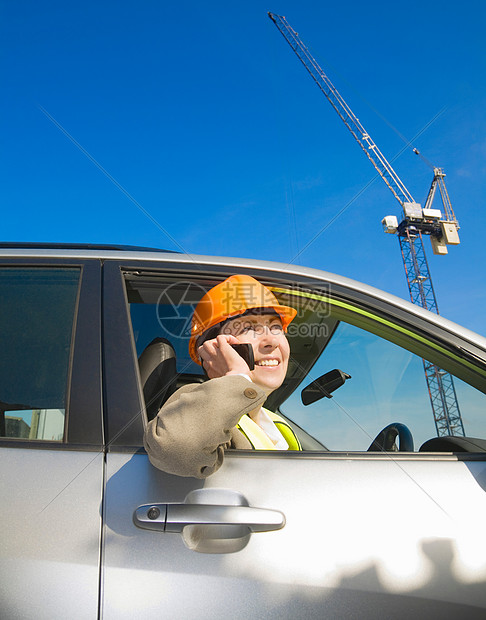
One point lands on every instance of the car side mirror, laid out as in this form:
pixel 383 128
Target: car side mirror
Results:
pixel 323 386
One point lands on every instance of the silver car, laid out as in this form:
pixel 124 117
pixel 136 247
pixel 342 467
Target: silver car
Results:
pixel 381 515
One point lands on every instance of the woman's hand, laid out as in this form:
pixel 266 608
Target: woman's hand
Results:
pixel 220 359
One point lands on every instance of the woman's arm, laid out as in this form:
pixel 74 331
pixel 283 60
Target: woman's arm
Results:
pixel 189 434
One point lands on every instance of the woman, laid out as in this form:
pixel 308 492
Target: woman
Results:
pixel 194 427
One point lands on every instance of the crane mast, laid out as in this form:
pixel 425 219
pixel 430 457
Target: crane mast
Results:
pixel 416 222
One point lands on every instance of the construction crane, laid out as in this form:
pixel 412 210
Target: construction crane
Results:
pixel 416 222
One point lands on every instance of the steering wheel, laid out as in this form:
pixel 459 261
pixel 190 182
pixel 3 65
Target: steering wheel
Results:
pixel 385 440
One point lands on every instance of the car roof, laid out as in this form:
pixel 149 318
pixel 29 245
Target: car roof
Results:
pixel 27 245
pixel 140 253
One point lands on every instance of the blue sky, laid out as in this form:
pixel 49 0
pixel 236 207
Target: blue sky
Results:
pixel 207 119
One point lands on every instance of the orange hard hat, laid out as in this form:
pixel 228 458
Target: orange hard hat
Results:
pixel 231 298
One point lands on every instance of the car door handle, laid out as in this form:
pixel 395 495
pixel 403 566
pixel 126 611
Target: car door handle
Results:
pixel 208 507
pixel 174 517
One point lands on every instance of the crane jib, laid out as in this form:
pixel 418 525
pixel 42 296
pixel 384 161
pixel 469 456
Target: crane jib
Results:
pixel 379 161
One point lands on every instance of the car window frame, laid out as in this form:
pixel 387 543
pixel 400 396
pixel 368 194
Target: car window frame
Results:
pixel 84 426
pixel 125 427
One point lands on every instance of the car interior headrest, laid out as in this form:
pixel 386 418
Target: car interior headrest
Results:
pixel 158 373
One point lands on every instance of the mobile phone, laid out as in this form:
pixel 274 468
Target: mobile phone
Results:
pixel 246 352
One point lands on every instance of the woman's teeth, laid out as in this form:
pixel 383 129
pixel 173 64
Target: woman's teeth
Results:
pixel 267 363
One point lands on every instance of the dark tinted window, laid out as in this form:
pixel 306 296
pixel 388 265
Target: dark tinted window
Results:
pixel 37 309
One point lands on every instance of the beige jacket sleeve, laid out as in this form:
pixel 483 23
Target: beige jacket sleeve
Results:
pixel 189 434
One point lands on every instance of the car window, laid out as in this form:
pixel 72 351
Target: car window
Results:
pixel 37 310
pixel 387 384
pixel 383 357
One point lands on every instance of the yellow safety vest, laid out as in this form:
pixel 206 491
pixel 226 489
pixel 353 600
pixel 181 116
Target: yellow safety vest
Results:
pixel 259 439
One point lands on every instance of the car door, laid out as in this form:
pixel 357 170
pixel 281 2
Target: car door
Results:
pixel 51 457
pixel 338 533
